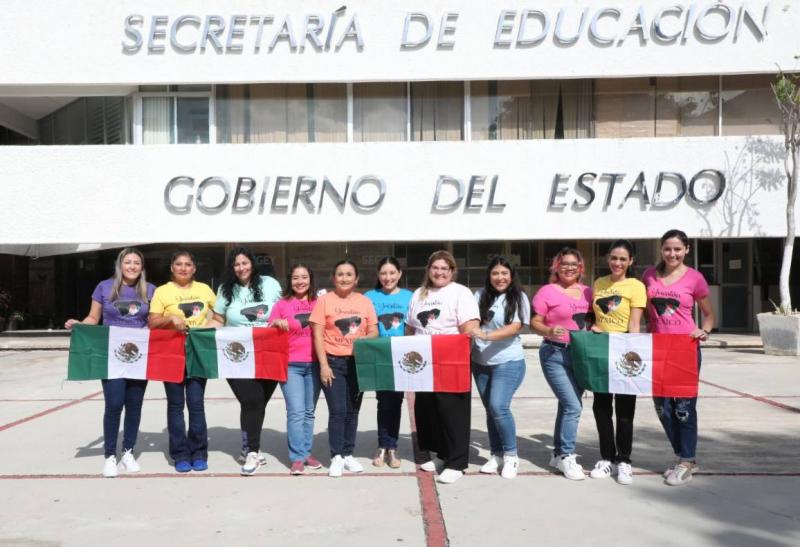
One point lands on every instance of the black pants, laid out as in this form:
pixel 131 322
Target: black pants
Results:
pixel 603 408
pixel 443 425
pixel 253 395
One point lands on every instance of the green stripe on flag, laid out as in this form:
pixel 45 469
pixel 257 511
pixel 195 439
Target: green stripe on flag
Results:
pixel 201 353
pixel 374 364
pixel 88 353
pixel 589 354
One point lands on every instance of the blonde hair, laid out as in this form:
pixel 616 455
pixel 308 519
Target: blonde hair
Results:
pixel 438 255
pixel 116 285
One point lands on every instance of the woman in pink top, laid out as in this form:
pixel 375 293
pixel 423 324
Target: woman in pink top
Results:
pixel 301 388
pixel 673 288
pixel 560 307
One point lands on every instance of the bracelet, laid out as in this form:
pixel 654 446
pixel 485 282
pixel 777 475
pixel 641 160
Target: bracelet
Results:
pixel 705 331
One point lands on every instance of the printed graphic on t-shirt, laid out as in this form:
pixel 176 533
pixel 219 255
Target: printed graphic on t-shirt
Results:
pixel 348 325
pixel 426 316
pixel 128 308
pixel 609 303
pixel 489 315
pixel 191 309
pixel 665 306
pixel 391 320
pixel 302 318
pixel 255 313
pixel 580 320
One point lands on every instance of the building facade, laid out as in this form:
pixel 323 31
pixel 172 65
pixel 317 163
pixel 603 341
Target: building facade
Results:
pixel 319 131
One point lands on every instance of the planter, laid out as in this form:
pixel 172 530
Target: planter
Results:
pixel 780 333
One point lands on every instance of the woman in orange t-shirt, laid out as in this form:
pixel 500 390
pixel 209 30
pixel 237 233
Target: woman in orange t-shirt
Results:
pixel 338 319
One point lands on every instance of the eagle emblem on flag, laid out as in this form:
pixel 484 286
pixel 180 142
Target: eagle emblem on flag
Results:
pixel 235 352
pixel 412 362
pixel 128 353
pixel 631 364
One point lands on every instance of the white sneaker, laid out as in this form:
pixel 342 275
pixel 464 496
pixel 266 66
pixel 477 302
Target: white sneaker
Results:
pixel 110 467
pixel 681 474
pixel 262 457
pixel 251 464
pixel 672 466
pixel 602 469
pixel 510 467
pixel 491 467
pixel 449 476
pixel 429 466
pixel 554 459
pixel 129 463
pixel 624 473
pixel 352 465
pixel 336 467
pixel 571 469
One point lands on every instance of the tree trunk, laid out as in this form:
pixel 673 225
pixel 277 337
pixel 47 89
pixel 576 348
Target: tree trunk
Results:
pixel 788 243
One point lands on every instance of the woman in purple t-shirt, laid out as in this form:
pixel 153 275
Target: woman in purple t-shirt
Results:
pixel 122 301
pixel 559 307
pixel 673 288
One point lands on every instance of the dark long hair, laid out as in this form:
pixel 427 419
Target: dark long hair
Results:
pixel 514 299
pixel 230 281
pixel 669 234
pixel 623 244
pixel 312 285
pixel 381 263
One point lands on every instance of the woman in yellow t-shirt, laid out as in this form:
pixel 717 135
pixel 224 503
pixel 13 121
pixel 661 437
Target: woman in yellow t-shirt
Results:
pixel 618 304
pixel 181 304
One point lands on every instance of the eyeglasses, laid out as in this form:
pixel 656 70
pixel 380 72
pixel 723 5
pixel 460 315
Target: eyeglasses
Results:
pixel 441 270
pixel 569 265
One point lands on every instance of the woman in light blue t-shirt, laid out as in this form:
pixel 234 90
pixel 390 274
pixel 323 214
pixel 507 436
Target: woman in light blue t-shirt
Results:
pixel 391 306
pixel 245 299
pixel 498 360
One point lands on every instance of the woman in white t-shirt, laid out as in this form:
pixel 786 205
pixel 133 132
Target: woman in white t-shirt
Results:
pixel 442 306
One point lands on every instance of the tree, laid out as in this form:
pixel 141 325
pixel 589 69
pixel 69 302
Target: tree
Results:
pixel 787 93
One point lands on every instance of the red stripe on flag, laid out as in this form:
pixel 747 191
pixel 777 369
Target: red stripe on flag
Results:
pixel 272 353
pixel 674 365
pixel 166 356
pixel 451 363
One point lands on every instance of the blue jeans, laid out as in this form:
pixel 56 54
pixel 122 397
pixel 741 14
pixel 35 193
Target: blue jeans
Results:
pixel 678 417
pixel 122 393
pixel 557 368
pixel 390 404
pixel 344 402
pixel 189 393
pixel 301 391
pixel 496 385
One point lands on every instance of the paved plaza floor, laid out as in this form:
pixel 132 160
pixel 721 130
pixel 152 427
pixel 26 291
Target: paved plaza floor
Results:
pixel 52 493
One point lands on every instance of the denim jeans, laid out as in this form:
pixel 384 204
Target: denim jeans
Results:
pixel 496 385
pixel 189 393
pixel 122 393
pixel 390 405
pixel 301 391
pixel 678 417
pixel 344 402
pixel 557 369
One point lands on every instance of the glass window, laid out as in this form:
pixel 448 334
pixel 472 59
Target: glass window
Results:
pixel 748 106
pixel 687 107
pixel 175 119
pixel 437 111
pixel 538 109
pixel 263 113
pixel 192 120
pixel 379 112
pixel 157 116
pixel 625 108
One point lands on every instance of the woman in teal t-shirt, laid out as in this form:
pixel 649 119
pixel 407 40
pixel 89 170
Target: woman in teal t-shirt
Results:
pixel 391 307
pixel 244 299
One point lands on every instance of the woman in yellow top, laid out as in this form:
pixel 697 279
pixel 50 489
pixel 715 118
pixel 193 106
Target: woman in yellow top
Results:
pixel 181 304
pixel 618 302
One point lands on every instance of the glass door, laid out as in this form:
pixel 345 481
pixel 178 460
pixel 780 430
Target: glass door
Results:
pixel 735 285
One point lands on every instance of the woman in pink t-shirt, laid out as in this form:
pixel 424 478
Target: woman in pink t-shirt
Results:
pixel 301 388
pixel 560 307
pixel 673 288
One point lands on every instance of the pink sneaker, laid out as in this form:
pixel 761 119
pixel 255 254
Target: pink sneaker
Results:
pixel 313 463
pixel 298 468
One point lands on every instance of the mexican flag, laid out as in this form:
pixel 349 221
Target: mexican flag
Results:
pixel 661 365
pixel 414 363
pixel 238 352
pixel 105 353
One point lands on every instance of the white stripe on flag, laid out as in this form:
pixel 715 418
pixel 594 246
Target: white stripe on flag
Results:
pixel 634 376
pixel 236 357
pixel 127 352
pixel 407 375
